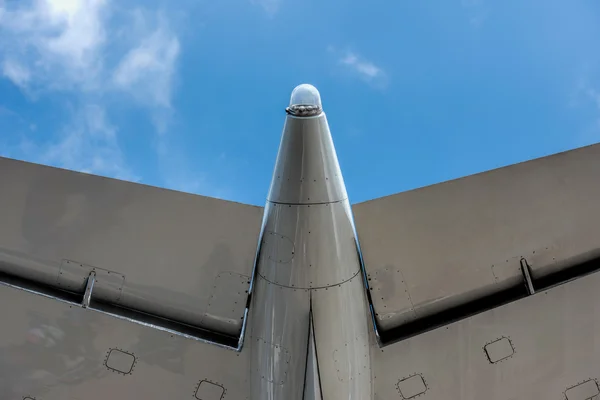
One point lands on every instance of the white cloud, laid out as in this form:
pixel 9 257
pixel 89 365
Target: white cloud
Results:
pixel 82 30
pixel 64 44
pixel 361 67
pixel 16 72
pixel 97 54
pixel 91 50
pixel 147 70
pixel 59 42
pixel 87 144
pixel 366 68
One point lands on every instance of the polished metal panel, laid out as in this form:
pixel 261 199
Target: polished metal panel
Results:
pixel 308 261
pixel 556 347
pixel 52 350
pixel 279 327
pixel 342 337
pixel 168 247
pixel 309 246
pixel 429 249
pixel 307 169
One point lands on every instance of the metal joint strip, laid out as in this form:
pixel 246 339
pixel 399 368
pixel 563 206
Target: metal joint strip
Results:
pixel 87 296
pixel 525 270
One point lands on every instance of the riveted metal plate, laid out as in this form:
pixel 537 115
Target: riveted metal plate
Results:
pixel 275 352
pixel 390 291
pixel 226 303
pixel 108 286
pixel 305 175
pixel 279 248
pixel 120 361
pixel 348 369
pixel 73 276
pixel 585 390
pixel 328 255
pixel 499 349
pixel 208 390
pixel 412 386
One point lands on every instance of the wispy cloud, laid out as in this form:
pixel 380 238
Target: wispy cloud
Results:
pixel 83 48
pixel 97 53
pixel 269 6
pixel 365 68
pixel 58 42
pixel 147 70
pixel 359 66
pixel 88 143
pixel 16 72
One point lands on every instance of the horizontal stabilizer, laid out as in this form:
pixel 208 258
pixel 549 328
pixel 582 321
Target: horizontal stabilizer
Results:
pixel 473 243
pixel 156 254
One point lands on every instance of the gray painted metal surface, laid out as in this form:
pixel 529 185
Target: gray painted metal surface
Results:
pixel 83 259
pixel 544 345
pixel 51 350
pixel 433 248
pixel 158 251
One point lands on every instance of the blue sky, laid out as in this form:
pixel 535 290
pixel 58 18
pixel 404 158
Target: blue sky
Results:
pixel 190 95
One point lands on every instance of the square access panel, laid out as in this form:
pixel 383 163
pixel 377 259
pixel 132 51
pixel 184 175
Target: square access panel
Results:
pixel 411 387
pixel 583 391
pixel 209 391
pixel 499 350
pixel 120 361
